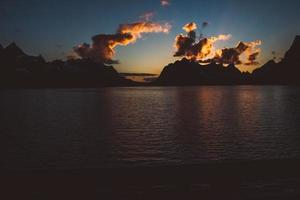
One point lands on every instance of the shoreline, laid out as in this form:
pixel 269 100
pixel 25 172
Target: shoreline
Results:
pixel 211 181
pixel 141 86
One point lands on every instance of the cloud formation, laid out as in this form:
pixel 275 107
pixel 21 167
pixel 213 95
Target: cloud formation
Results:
pixel 147 16
pixel 205 24
pixel 252 59
pixel 188 46
pixel 233 55
pixel 165 2
pixel 190 27
pixel 203 50
pixel 102 49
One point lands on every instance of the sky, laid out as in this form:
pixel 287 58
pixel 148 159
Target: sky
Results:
pixel 53 28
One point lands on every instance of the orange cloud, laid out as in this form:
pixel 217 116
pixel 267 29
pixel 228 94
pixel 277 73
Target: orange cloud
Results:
pixel 220 38
pixel 190 27
pixel 188 46
pixel 103 48
pixel 243 53
pixel 136 29
pixel 203 50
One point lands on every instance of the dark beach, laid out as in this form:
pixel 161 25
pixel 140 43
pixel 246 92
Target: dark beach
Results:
pixel 274 179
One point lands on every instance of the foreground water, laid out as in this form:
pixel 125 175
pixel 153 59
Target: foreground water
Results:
pixel 92 128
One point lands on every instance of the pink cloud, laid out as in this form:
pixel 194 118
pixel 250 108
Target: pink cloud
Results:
pixel 165 2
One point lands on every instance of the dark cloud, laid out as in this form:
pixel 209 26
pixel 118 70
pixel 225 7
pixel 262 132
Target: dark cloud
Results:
pixel 205 24
pixel 233 55
pixel 184 43
pixel 252 59
pixel 102 49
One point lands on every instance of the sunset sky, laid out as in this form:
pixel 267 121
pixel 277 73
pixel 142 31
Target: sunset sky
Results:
pixel 52 28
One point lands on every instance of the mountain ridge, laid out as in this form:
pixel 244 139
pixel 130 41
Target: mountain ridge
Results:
pixel 187 72
pixel 19 70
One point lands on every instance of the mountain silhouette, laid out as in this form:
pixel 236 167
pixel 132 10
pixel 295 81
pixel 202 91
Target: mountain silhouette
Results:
pixel 12 50
pixel 187 72
pixel 1 52
pixel 19 70
pixel 292 55
pixel 284 72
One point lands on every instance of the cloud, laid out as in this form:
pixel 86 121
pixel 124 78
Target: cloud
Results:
pixel 203 50
pixel 252 59
pixel 190 27
pixel 233 55
pixel 188 46
pixel 102 49
pixel 147 16
pixel 165 2
pixel 220 37
pixel 205 24
pixel 230 55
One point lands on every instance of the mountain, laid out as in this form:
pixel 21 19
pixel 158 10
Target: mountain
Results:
pixel 13 60
pixel 12 50
pixel 89 74
pixel 267 73
pixel 1 51
pixel 292 55
pixel 182 72
pixel 19 70
pixel 284 72
pixel 187 72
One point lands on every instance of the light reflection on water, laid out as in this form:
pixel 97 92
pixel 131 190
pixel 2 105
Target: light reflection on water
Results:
pixel 145 126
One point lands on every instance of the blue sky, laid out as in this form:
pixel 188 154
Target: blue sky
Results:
pixel 52 28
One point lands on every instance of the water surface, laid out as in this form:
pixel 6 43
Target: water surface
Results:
pixel 91 128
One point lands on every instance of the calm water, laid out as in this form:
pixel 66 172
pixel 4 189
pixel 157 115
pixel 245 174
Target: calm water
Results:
pixel 73 128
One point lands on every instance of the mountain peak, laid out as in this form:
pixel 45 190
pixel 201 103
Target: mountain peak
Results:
pixel 185 60
pixel 292 55
pixel 12 45
pixel 296 41
pixel 13 49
